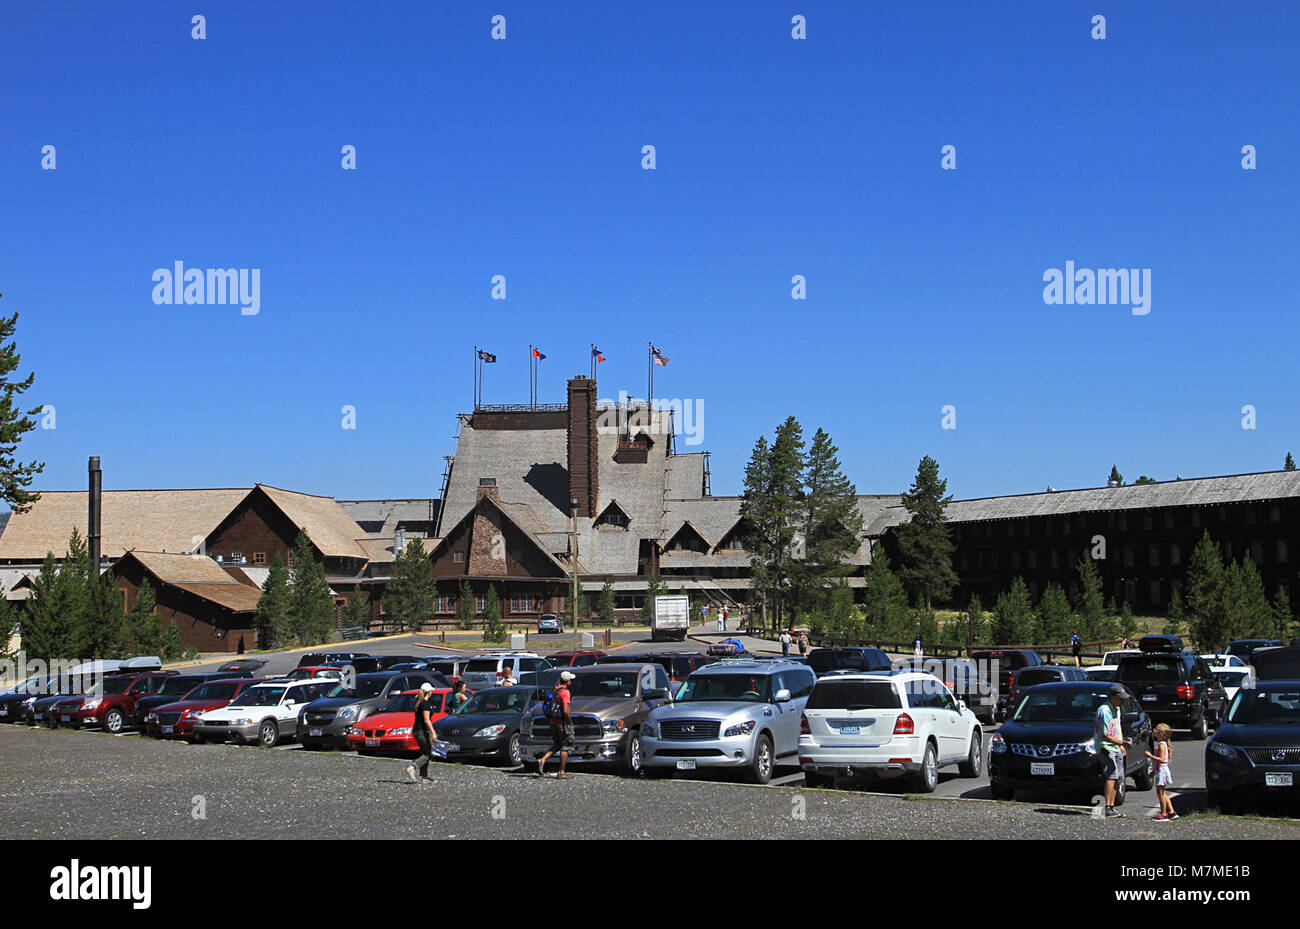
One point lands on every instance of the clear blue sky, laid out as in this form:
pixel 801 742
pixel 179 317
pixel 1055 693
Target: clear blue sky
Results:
pixel 775 157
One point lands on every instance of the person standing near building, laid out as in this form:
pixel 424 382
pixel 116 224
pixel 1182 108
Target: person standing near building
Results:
pixel 425 736
pixel 722 621
pixel 704 614
pixel 918 647
pixel 803 645
pixel 1108 738
pixel 557 714
pixel 1076 646
pixel 786 639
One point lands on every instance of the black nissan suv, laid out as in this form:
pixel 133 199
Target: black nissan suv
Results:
pixel 1173 685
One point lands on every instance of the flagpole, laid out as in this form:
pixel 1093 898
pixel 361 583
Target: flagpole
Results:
pixel 531 400
pixel 650 367
pixel 591 362
pixel 477 390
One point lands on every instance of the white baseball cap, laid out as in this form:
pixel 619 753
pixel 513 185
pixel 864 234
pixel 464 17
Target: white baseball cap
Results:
pixel 566 676
pixel 426 687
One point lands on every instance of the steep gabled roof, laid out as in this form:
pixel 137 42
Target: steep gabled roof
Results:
pixel 198 575
pixel 522 518
pixel 327 524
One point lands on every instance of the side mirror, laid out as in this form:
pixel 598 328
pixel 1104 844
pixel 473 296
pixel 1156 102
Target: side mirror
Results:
pixel 961 705
pixel 656 694
pixel 782 696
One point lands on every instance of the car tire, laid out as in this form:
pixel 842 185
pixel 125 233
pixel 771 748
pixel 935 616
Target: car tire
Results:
pixel 114 721
pixel 514 752
pixel 812 779
pixel 759 770
pixel 632 754
pixel 973 766
pixel 1142 779
pixel 1200 731
pixel 1002 792
pixel 268 734
pixel 927 779
pixel 1121 791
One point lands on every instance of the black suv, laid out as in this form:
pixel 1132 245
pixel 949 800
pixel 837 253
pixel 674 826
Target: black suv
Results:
pixel 825 660
pixel 1257 749
pixel 1277 664
pixel 1009 663
pixel 1173 686
pixel 1244 648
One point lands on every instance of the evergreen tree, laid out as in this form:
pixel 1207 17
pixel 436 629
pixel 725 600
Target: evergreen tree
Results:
pixel 357 612
pixel 466 606
pixel 1090 605
pixel 654 587
pixel 410 593
pixel 149 633
pixel 977 625
pixel 274 629
pixel 1013 615
pixel 606 604
pixel 1207 620
pixel 884 605
pixel 1282 617
pixel 924 546
pixel 8 629
pixel 842 617
pixel 1054 617
pixel 771 508
pixel 15 477
pixel 1174 625
pixel 101 630
pixel 1145 480
pixel 311 605
pixel 832 526
pixel 1289 464
pixel 1246 608
pixel 1127 624
pixel 50 613
pixel 494 629
pixel 1115 476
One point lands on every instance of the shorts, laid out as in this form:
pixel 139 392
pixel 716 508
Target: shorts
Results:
pixel 1164 777
pixel 561 736
pixel 1112 765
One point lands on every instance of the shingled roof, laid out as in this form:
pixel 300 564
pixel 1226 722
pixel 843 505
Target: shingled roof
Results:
pixel 326 523
pixel 201 576
pixel 155 520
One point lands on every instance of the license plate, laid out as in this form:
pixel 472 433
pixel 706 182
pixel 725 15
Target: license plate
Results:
pixel 65 718
pixel 685 764
pixel 166 730
pixel 1048 769
pixel 313 732
pixel 848 730
pixel 4 711
pixel 1279 780
pixel 372 743
pixel 1150 698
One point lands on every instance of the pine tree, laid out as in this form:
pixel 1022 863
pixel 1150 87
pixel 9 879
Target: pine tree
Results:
pixel 1289 464
pixel 1143 479
pixel 924 545
pixel 466 606
pixel 1207 620
pixel 977 625
pixel 771 509
pixel 274 629
pixel 311 605
pixel 50 613
pixel 1127 624
pixel 357 612
pixel 1115 476
pixel 148 632
pixel 1090 605
pixel 1174 625
pixel 1054 617
pixel 606 604
pixel 1282 617
pixel 654 587
pixel 884 602
pixel 494 630
pixel 411 589
pixel 832 526
pixel 101 630
pixel 15 477
pixel 1013 615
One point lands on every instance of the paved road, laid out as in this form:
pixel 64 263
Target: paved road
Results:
pixel 69 784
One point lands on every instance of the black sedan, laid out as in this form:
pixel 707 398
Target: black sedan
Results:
pixel 1048 742
pixel 486 727
pixel 1257 749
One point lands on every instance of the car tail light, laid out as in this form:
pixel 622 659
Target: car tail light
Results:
pixel 1186 691
pixel 803 725
pixel 904 725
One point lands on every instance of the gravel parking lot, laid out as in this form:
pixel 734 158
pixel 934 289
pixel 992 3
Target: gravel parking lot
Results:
pixel 68 784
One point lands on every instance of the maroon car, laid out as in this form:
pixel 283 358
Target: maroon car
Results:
pixel 176 720
pixel 108 704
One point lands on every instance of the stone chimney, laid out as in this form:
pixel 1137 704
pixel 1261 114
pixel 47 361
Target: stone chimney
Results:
pixel 584 463
pixel 487 487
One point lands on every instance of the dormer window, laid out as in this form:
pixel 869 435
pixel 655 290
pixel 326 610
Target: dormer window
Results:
pixel 612 517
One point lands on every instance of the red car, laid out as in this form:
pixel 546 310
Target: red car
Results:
pixel 574 659
pixel 176 720
pixel 108 704
pixel 388 729
pixel 307 672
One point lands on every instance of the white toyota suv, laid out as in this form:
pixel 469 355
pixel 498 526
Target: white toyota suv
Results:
pixel 264 713
pixel 890 724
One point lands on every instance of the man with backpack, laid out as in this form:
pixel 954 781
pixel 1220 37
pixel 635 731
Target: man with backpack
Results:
pixel 1076 646
pixel 556 709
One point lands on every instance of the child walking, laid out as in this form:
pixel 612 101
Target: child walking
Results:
pixel 1163 775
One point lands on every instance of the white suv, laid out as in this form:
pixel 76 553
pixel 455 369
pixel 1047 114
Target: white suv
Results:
pixel 264 713
pixel 890 724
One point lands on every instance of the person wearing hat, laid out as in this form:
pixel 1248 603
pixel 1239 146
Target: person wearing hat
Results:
pixel 1108 738
pixel 424 734
pixel 561 726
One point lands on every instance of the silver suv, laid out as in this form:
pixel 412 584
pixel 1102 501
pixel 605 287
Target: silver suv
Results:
pixel 736 713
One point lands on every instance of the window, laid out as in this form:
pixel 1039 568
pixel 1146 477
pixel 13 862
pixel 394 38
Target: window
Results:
pixel 480 603
pixel 1033 557
pixel 1248 516
pixel 1153 556
pixel 1175 556
pixel 1274 514
pixel 1128 556
pixel 236 557
pixel 445 604
pixel 1257 552
pixel 1279 551
pixel 1169 520
pixel 1146 521
pixel 1015 560
pixel 735 542
pixel 1154 592
pixel 1196 517
pixel 259 558
pixel 523 603
pixel 458 556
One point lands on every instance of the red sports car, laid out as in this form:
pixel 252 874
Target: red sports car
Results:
pixel 388 729
pixel 176 720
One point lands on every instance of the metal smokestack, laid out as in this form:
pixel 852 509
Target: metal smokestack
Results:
pixel 96 493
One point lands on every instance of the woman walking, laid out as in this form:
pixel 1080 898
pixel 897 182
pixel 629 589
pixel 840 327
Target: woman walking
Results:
pixel 1164 776
pixel 424 734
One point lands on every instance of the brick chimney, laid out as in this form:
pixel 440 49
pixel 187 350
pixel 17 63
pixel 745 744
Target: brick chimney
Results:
pixel 584 464
pixel 487 487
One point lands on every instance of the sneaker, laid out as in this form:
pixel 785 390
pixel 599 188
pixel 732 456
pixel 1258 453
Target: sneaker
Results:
pixel 1112 813
pixel 1172 816
pixel 1160 818
pixel 410 772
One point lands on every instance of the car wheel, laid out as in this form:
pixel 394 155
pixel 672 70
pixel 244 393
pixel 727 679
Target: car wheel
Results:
pixel 1121 790
pixel 1142 779
pixel 268 734
pixel 760 768
pixel 1002 792
pixel 1200 730
pixel 113 721
pixel 632 754
pixel 514 752
pixel 973 766
pixel 812 779
pixel 927 779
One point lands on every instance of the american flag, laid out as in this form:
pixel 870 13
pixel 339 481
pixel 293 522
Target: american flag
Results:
pixel 660 358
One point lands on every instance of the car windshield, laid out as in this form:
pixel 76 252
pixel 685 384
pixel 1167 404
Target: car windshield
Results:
pixel 1265 708
pixel 822 660
pixel 109 687
pixel 752 688
pixel 831 694
pixel 259 696
pixel 1100 674
pixel 495 701
pixel 1059 706
pixel 619 684
pixel 1151 670
pixel 1005 660
pixel 405 703
pixel 217 690
pixel 1032 676
pixel 174 686
pixel 369 685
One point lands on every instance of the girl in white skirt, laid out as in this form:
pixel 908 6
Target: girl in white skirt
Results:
pixel 1164 776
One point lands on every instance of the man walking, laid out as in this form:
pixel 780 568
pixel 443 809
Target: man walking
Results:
pixel 1076 646
pixel 786 639
pixel 918 648
pixel 561 726
pixel 1108 738
pixel 424 734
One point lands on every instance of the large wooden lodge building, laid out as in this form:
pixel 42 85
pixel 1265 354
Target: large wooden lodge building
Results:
pixel 523 478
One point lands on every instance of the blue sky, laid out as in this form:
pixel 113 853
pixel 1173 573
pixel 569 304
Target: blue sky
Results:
pixel 775 157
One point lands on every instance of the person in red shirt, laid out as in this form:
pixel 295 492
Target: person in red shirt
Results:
pixel 561 727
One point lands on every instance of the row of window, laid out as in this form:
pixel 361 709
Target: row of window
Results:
pixel 1249 515
pixel 520 603
pixel 1155 556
